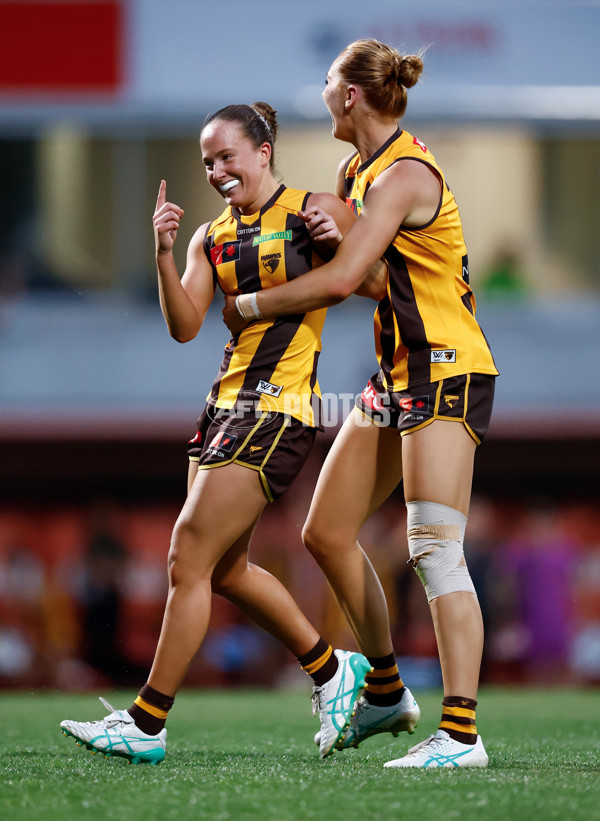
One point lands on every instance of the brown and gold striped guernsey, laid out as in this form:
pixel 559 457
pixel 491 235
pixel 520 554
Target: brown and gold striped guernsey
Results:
pixel 425 328
pixel 274 360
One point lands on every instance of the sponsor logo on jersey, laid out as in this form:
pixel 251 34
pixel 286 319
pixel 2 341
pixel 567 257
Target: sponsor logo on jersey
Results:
pixel 255 448
pixel 251 230
pixel 223 441
pixel 450 400
pixel 271 262
pixel 226 252
pixel 410 404
pixel 444 356
pixel 421 145
pixel 196 440
pixel 268 388
pixel 276 235
pixel 465 273
pixel 465 268
pixel 354 205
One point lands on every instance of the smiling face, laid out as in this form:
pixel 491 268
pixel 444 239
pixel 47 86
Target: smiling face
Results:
pixel 235 168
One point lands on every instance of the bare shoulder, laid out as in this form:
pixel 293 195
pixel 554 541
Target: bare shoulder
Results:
pixel 409 190
pixel 325 201
pixel 197 240
pixel 334 207
pixel 410 172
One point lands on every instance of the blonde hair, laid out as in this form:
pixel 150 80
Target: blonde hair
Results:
pixel 382 72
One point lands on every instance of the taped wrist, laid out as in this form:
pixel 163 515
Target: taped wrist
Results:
pixel 247 305
pixel 435 543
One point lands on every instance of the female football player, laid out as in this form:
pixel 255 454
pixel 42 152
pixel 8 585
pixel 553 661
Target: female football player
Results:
pixel 429 405
pixel 254 435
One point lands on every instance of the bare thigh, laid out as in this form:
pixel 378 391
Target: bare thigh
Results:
pixel 438 465
pixel 221 509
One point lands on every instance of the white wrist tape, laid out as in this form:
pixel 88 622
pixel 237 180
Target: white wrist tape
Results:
pixel 435 542
pixel 247 305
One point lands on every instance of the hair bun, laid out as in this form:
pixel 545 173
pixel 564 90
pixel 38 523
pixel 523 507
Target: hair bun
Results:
pixel 382 72
pixel 268 114
pixel 409 69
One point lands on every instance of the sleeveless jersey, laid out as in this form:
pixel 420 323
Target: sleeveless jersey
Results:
pixel 272 361
pixel 425 328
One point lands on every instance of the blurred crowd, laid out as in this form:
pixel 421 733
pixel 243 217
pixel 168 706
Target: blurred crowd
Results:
pixel 82 592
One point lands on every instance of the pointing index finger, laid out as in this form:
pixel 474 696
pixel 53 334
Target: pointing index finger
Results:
pixel 162 194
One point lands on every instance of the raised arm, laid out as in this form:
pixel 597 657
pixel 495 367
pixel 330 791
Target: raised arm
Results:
pixel 184 302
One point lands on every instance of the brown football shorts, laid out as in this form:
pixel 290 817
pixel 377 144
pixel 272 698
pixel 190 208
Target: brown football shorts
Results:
pixel 467 398
pixel 275 445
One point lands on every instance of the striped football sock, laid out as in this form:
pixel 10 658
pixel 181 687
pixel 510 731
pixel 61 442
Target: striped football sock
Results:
pixel 150 710
pixel 320 663
pixel 458 719
pixel 384 685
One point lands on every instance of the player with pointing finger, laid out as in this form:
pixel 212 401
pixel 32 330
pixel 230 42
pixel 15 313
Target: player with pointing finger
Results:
pixel 254 434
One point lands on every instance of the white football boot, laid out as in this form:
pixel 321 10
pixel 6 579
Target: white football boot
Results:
pixel 117 734
pixel 335 701
pixel 370 719
pixel 440 750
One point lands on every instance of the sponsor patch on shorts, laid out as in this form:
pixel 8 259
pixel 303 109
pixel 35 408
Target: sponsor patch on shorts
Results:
pixel 411 404
pixel 416 408
pixel 223 441
pixel 370 398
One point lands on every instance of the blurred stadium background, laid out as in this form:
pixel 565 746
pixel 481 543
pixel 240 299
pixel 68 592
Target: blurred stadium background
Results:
pixel 98 102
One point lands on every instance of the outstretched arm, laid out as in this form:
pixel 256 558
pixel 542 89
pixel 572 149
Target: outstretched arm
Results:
pixel 184 302
pixel 406 192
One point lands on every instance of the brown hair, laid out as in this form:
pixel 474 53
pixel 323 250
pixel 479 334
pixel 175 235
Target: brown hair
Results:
pixel 382 72
pixel 258 123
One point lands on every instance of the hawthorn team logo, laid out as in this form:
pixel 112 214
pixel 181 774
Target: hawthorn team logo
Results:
pixel 271 262
pixel 440 357
pixel 268 387
pixel 226 252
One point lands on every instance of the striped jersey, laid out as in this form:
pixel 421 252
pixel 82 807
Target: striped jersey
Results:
pixel 273 361
pixel 425 328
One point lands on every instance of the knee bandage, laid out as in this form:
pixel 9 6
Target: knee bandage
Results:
pixel 435 542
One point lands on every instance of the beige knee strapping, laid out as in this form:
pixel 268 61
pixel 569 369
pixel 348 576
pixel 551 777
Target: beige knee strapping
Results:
pixel 435 542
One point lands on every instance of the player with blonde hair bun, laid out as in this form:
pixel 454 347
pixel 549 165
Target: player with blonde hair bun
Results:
pixel 429 404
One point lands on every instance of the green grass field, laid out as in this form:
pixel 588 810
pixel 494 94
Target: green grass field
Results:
pixel 249 755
